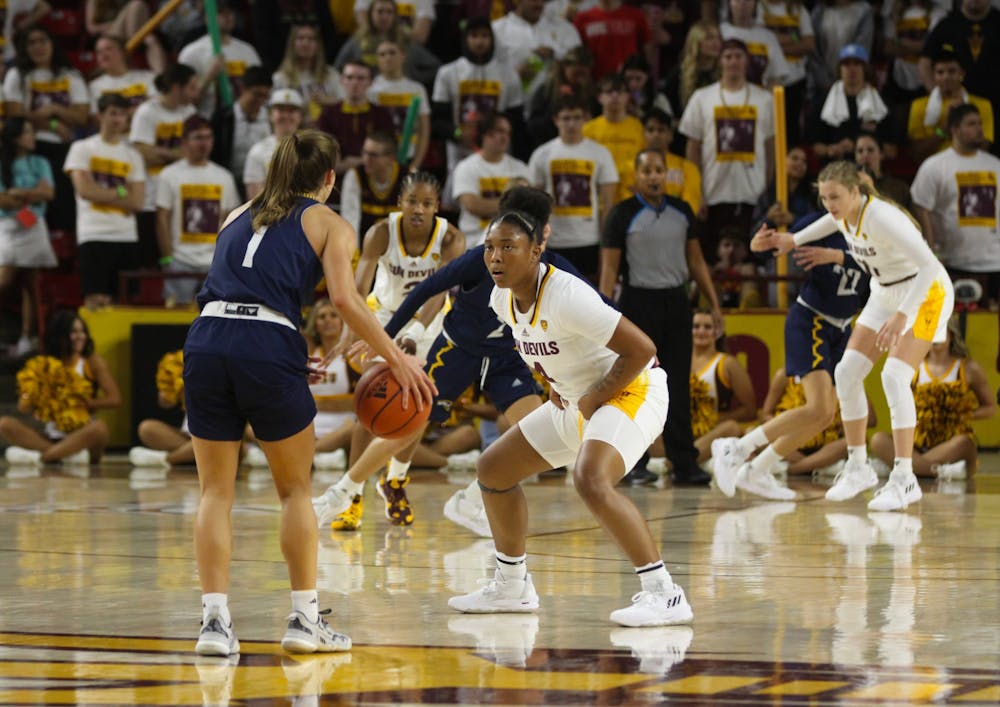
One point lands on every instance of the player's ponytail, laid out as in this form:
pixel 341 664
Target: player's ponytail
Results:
pixel 298 167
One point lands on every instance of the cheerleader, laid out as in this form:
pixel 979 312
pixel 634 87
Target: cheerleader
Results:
pixel 950 390
pixel 721 392
pixel 164 444
pixel 71 434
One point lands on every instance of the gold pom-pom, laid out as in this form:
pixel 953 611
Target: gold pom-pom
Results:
pixel 943 411
pixel 170 378
pixel 56 393
pixel 704 413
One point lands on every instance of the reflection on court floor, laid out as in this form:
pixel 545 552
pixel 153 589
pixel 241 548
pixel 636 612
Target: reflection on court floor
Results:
pixel 810 603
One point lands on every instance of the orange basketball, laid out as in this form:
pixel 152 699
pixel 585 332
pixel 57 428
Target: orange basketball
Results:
pixel 378 403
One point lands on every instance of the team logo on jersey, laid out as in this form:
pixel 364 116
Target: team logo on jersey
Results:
pixel 545 325
pixel 524 333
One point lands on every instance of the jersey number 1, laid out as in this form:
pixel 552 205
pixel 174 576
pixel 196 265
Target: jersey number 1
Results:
pixel 252 247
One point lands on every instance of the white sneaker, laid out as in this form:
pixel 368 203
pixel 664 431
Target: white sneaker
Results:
pixel 509 640
pixel 81 458
pixel 331 504
pixel 255 457
pixel 762 484
pixel 498 596
pixel 657 465
pixel 22 456
pixel 304 636
pixel 658 649
pixel 852 480
pixel 472 516
pixel 955 471
pixel 216 638
pixel 661 608
pixel 899 491
pixel 465 460
pixel 337 459
pixel 727 461
pixel 144 456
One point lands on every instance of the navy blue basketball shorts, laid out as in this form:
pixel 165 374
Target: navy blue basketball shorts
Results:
pixel 223 390
pixel 811 342
pixel 505 377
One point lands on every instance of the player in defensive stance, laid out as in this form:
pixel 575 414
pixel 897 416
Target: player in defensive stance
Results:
pixel 608 403
pixel 911 301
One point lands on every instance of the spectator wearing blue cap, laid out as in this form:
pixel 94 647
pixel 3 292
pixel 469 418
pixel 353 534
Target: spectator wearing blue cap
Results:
pixel 852 106
pixel 837 23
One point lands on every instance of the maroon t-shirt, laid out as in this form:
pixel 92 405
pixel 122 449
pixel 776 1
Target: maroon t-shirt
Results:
pixel 353 125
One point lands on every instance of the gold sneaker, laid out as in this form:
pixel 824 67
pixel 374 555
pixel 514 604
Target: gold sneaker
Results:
pixel 351 518
pixel 397 507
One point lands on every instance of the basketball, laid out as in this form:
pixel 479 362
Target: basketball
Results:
pixel 378 403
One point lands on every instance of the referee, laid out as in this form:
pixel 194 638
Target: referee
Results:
pixel 648 240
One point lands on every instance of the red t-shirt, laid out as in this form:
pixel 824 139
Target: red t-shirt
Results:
pixel 613 36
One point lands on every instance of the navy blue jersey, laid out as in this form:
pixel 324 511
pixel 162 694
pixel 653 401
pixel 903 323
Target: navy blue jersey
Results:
pixel 837 291
pixel 279 270
pixel 470 323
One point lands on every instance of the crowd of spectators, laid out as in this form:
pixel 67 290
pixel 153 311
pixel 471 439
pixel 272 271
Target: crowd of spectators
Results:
pixel 561 93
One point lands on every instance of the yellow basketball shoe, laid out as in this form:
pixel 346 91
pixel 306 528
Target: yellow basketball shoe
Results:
pixel 397 507
pixel 351 518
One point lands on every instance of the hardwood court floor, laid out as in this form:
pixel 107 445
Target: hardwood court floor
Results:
pixel 807 603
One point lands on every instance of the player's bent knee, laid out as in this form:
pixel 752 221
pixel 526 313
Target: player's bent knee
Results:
pixel 896 378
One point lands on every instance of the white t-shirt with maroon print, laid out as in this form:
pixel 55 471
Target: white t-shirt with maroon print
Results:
pixel 109 166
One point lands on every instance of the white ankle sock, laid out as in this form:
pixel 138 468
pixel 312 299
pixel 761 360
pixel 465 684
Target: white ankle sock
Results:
pixel 512 567
pixel 353 488
pixel 766 460
pixel 217 602
pixel 752 440
pixel 654 577
pixel 857 454
pixel 307 602
pixel 902 465
pixel 397 469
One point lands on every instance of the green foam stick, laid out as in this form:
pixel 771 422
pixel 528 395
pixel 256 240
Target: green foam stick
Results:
pixel 408 125
pixel 212 21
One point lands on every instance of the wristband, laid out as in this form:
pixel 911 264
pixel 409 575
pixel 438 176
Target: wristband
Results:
pixel 122 191
pixel 53 124
pixel 166 260
pixel 940 133
pixel 457 134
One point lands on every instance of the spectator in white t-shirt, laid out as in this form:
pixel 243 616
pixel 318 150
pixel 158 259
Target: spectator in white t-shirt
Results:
pixel 193 199
pixel 156 133
pixel 236 57
pixel 955 197
pixel 531 42
pixel 582 176
pixel 767 65
pixel 304 68
pixel 136 85
pixel 417 15
pixel 109 178
pixel 480 179
pixel 730 129
pixel 395 93
pixel 285 111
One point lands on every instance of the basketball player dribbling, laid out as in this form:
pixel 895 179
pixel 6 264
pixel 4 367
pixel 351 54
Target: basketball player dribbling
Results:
pixel 246 362
pixel 398 253
pixel 608 404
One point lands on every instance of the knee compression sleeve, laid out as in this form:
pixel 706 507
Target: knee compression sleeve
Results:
pixel 896 379
pixel 849 377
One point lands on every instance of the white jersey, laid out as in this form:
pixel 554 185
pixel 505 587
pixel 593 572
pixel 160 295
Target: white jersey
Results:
pixel 399 272
pixel 564 336
pixel 960 193
pixel 955 373
pixel 712 374
pixel 888 246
